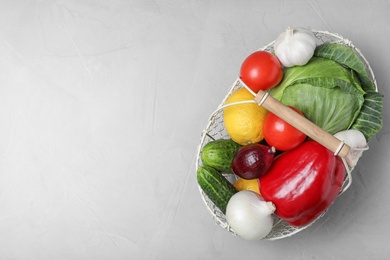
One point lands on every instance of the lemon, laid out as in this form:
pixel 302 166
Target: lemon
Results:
pixel 244 122
pixel 242 184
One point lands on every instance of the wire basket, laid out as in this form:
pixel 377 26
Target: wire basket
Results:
pixel 215 130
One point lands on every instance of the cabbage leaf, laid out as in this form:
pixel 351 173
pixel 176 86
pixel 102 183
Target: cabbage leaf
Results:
pixel 346 56
pixel 369 120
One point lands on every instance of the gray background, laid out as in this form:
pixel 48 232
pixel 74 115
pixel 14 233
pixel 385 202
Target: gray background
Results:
pixel 102 104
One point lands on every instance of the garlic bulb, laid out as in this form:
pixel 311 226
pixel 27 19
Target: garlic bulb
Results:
pixel 249 215
pixel 356 141
pixel 295 47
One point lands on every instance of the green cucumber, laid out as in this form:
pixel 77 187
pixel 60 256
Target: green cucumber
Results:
pixel 219 154
pixel 217 188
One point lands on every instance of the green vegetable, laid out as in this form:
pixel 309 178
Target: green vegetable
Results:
pixel 219 154
pixel 370 121
pixel 333 91
pixel 217 188
pixel 347 57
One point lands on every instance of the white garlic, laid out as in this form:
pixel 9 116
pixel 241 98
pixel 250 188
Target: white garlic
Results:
pixel 295 47
pixel 356 141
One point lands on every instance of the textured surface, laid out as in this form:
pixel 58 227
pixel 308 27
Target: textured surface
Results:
pixel 102 104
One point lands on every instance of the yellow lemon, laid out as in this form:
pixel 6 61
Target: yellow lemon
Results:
pixel 244 122
pixel 242 184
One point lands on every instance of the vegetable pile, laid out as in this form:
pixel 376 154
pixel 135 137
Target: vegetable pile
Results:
pixel 296 178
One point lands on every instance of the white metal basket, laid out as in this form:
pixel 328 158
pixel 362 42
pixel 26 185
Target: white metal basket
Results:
pixel 215 130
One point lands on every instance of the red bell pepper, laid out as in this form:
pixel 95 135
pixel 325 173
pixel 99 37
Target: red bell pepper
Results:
pixel 303 183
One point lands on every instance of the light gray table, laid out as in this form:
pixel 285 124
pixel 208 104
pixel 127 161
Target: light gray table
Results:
pixel 102 104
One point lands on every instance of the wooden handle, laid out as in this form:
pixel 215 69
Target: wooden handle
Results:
pixel 302 124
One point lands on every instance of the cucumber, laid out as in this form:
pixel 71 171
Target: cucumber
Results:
pixel 217 188
pixel 219 154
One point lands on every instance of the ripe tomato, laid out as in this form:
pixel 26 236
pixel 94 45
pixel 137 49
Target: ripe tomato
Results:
pixel 280 134
pixel 261 70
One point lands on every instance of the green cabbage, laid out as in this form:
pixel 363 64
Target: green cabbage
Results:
pixel 333 91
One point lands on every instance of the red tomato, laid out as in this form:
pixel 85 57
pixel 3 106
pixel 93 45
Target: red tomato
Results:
pixel 280 134
pixel 261 70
